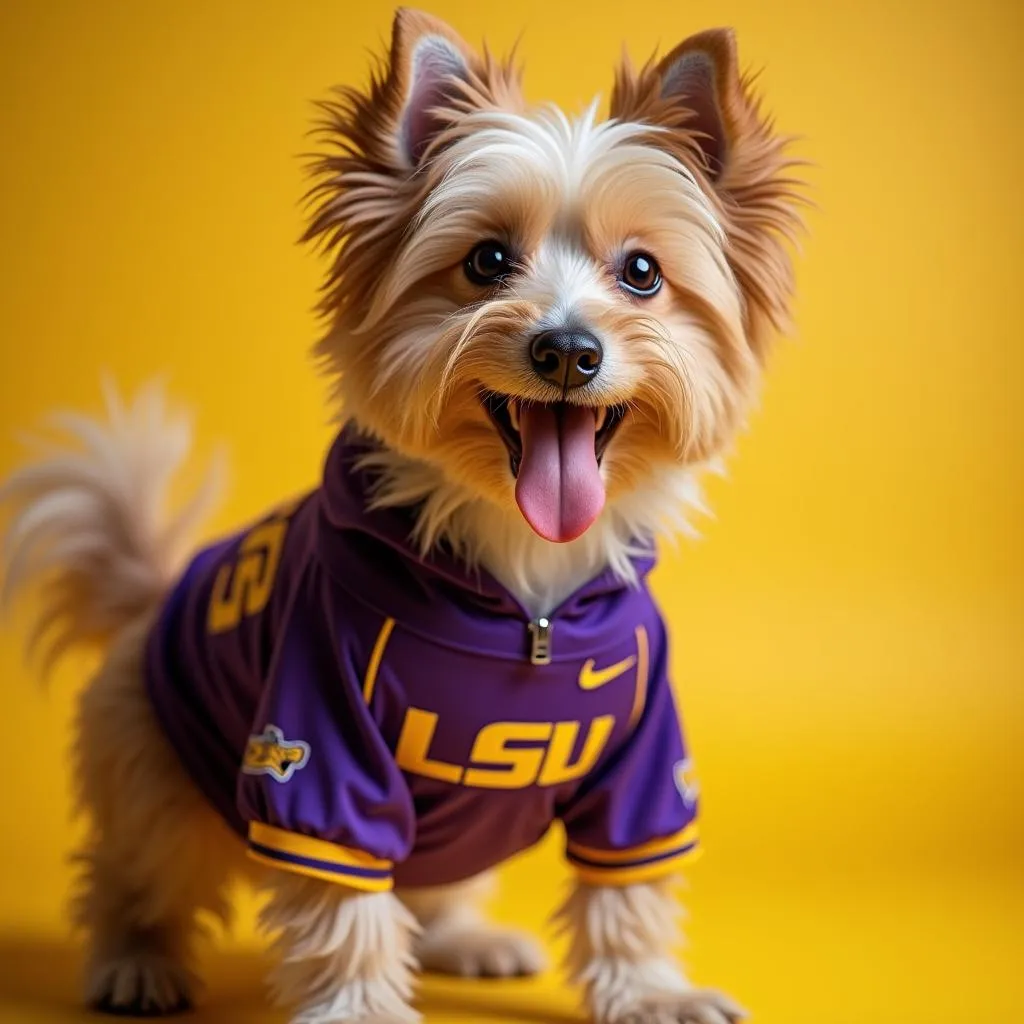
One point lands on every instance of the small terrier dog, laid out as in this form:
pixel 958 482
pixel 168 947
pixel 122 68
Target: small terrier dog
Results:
pixel 541 329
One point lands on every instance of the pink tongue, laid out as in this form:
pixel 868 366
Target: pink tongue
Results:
pixel 559 488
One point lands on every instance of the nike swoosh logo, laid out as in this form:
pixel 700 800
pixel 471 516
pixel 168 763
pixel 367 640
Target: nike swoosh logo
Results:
pixel 591 678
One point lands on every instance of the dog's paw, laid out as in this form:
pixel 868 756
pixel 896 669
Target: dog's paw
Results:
pixel 378 1018
pixel 334 1014
pixel 140 985
pixel 698 1006
pixel 480 952
pixel 373 1018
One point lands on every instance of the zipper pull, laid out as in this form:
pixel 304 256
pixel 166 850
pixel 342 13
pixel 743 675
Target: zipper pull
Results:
pixel 540 641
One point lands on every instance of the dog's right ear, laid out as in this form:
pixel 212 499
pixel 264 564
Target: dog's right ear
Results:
pixel 377 142
pixel 429 68
pixel 417 97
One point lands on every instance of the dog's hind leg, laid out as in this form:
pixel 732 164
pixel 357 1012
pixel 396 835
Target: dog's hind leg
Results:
pixel 88 531
pixel 157 853
pixel 457 939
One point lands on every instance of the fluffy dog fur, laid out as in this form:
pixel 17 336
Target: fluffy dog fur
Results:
pixel 440 153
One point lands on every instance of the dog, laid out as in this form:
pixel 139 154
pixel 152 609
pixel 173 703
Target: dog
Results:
pixel 540 331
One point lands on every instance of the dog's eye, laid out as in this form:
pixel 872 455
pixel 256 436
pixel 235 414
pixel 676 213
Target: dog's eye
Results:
pixel 641 275
pixel 488 263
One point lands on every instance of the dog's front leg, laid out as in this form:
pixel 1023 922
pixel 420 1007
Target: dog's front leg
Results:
pixel 345 956
pixel 621 952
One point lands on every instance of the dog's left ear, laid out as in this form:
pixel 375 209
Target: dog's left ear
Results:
pixel 706 112
pixel 697 88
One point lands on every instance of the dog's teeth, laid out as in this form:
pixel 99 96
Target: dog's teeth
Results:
pixel 513 413
pixel 602 415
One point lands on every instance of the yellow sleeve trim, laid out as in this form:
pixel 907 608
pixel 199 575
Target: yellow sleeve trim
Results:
pixel 618 876
pixel 625 858
pixel 307 846
pixel 351 881
pixel 318 858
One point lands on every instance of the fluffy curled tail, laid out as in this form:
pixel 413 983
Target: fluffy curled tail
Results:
pixel 87 524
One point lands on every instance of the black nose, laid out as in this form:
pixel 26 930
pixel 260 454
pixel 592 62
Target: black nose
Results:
pixel 566 358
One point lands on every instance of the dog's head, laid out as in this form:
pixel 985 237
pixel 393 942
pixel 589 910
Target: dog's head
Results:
pixel 556 313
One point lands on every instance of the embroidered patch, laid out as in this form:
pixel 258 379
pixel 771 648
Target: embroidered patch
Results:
pixel 686 782
pixel 269 753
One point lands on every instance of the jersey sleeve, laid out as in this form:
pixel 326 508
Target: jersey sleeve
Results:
pixel 318 785
pixel 635 820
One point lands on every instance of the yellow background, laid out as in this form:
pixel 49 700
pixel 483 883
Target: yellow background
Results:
pixel 848 635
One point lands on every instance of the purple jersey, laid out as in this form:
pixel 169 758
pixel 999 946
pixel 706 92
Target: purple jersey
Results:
pixel 372 717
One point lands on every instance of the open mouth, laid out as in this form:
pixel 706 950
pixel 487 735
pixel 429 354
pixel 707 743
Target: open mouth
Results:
pixel 555 451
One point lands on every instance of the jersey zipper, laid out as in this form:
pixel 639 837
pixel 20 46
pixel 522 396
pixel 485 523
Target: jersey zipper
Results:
pixel 540 640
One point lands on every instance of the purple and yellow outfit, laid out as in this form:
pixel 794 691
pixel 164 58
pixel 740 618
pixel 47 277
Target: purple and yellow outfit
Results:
pixel 368 716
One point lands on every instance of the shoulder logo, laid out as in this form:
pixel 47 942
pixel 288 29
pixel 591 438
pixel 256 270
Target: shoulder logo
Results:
pixel 592 678
pixel 269 753
pixel 686 782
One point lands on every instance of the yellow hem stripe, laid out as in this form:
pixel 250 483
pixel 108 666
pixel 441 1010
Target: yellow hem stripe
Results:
pixel 318 849
pixel 625 857
pixel 642 670
pixel 633 876
pixel 350 881
pixel 375 659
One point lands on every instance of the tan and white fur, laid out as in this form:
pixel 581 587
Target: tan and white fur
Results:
pixel 439 154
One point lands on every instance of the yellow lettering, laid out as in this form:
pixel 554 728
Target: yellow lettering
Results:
pixel 522 763
pixel 556 767
pixel 414 747
pixel 501 758
pixel 245 587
